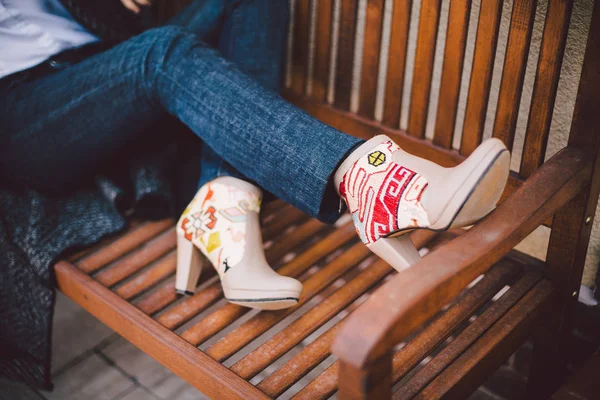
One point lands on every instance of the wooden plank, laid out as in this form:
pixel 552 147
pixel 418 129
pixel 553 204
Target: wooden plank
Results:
pixel 157 272
pixel 435 333
pixel 370 383
pixel 345 54
pixel 371 55
pixel 513 73
pixel 423 70
pixel 166 347
pixel 159 298
pixel 192 306
pixel 394 83
pixel 546 84
pixel 144 255
pixel 224 316
pixel 320 83
pixel 466 338
pixel 263 321
pixel 481 75
pixel 299 365
pixel 322 387
pixel 572 226
pixel 454 55
pixel 419 346
pixel 123 245
pixel 493 348
pixel 309 322
pixel 301 46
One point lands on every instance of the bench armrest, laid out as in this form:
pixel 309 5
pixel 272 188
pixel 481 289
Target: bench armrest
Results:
pixel 413 296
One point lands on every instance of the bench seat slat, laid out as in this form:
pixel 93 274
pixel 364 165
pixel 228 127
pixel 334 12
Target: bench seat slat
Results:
pixel 192 306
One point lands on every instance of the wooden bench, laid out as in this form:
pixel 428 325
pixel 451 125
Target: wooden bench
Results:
pixel 454 330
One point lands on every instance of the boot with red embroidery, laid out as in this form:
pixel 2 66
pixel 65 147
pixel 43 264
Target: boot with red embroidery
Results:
pixel 390 192
pixel 222 223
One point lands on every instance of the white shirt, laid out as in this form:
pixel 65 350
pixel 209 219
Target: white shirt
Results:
pixel 31 31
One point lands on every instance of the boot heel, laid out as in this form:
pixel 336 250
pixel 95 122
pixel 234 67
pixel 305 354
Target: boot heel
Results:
pixel 399 251
pixel 189 266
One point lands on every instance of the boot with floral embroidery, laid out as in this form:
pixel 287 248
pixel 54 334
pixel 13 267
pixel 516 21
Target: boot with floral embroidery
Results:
pixel 222 223
pixel 390 192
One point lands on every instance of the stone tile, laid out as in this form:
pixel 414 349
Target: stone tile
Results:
pixel 10 390
pixel 174 388
pixel 75 331
pixel 91 379
pixel 139 393
pixel 149 372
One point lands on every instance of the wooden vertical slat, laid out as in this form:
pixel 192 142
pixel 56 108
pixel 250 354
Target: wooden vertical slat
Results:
pixel 371 57
pixel 345 54
pixel 301 45
pixel 513 74
pixel 320 81
pixel 454 55
pixel 572 226
pixel 546 84
pixel 394 82
pixel 423 71
pixel 481 75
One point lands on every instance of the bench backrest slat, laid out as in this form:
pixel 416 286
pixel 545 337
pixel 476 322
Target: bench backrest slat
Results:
pixel 454 54
pixel 546 84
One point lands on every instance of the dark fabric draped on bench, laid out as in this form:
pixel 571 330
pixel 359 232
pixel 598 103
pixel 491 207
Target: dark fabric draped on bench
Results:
pixel 36 228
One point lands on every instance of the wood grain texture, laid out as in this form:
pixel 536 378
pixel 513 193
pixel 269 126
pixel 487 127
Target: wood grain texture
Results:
pixel 423 70
pixel 481 75
pixel 416 349
pixel 146 279
pixel 320 83
pixel 435 333
pixel 163 345
pixel 298 330
pixel 545 85
pixel 345 54
pixel 466 338
pixel 371 383
pixel 513 73
pixel 368 334
pixel 571 228
pixel 123 245
pixel 138 259
pixel 396 67
pixel 260 323
pixel 454 55
pixel 370 58
pixel 300 47
pixel 469 370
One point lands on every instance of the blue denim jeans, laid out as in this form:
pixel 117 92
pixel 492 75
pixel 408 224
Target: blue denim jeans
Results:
pixel 215 68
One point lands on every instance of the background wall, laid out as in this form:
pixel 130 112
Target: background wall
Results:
pixel 536 244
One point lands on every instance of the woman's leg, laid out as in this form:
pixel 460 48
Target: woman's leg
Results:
pixel 56 128
pixel 250 33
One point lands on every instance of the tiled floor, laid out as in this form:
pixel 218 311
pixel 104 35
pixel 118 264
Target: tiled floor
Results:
pixel 91 362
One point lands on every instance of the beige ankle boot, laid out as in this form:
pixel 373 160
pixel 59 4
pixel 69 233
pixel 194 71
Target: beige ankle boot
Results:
pixel 390 192
pixel 222 223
